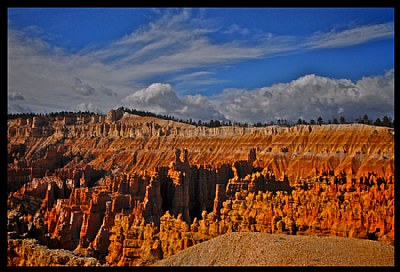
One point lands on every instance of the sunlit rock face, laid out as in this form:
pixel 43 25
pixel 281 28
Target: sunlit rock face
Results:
pixel 130 190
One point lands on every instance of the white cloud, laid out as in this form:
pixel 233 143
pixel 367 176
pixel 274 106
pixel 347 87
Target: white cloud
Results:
pixel 199 107
pixel 377 94
pixel 14 95
pixel 192 76
pixel 50 79
pixel 351 36
pixel 162 99
pixel 158 98
pixel 83 88
pixel 234 28
pixel 309 97
pixel 89 107
pixel 171 44
pixel 107 91
pixel 18 108
pixel 185 82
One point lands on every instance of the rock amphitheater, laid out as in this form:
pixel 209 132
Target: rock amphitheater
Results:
pixel 126 190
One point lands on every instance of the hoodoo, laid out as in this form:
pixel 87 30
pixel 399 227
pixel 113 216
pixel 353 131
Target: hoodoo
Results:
pixel 130 190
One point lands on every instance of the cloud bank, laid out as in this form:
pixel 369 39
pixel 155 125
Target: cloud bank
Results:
pixel 310 97
pixel 307 97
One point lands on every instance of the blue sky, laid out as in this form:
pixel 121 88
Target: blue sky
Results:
pixel 243 64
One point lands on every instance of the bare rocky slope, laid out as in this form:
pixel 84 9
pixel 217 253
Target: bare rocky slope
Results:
pixel 260 249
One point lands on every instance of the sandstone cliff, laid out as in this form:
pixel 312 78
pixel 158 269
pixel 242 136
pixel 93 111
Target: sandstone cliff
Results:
pixel 134 143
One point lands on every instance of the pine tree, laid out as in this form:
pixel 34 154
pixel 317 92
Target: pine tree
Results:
pixel 378 122
pixel 365 119
pixel 387 121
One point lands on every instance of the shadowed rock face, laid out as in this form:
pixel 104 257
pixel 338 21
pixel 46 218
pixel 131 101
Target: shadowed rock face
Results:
pixel 130 190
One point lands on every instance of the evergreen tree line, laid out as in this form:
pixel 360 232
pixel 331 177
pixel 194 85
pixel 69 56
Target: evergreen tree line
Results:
pixel 385 121
pixel 190 121
pixel 11 116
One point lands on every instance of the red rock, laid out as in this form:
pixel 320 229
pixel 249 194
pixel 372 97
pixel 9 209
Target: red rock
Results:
pixel 325 180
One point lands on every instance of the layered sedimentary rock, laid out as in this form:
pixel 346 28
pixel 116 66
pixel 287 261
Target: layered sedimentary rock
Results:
pixel 130 190
pixel 134 143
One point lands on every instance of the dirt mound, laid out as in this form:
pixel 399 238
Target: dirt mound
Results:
pixel 260 249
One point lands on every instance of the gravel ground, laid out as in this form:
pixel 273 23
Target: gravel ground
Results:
pixel 260 249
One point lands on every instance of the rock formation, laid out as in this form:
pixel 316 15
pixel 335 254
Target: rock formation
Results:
pixel 131 190
pixel 28 252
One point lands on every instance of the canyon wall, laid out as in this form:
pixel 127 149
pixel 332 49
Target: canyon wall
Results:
pixel 130 190
pixel 134 143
